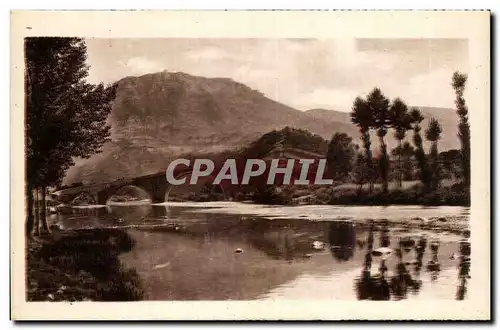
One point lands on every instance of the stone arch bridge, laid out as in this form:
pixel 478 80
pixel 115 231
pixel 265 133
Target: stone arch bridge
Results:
pixel 156 184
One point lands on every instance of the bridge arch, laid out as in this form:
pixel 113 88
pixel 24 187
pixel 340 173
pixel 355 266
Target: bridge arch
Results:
pixel 84 195
pixel 128 189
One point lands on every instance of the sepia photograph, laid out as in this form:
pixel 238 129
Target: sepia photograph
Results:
pixel 231 167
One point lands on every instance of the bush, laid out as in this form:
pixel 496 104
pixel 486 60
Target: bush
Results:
pixel 271 195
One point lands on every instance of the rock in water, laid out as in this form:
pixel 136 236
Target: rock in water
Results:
pixel 161 265
pixel 383 252
pixel 318 245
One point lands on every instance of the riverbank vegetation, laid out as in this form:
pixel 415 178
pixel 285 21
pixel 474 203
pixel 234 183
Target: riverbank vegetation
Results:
pixel 376 112
pixel 366 167
pixel 81 265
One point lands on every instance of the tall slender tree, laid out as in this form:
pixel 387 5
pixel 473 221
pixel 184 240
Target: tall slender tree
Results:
pixel 379 107
pixel 417 119
pixel 362 117
pixel 407 153
pixel 458 83
pixel 359 172
pixel 65 115
pixel 433 134
pixel 400 122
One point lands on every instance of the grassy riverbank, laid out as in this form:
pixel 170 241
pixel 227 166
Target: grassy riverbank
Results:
pixel 411 194
pixel 444 196
pixel 81 265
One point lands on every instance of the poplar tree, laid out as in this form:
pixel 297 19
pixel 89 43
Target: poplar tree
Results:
pixel 458 83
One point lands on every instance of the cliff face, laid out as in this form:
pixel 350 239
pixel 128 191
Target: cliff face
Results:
pixel 159 116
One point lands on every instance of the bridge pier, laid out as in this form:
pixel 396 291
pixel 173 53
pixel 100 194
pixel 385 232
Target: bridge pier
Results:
pixel 157 200
pixel 155 186
pixel 102 197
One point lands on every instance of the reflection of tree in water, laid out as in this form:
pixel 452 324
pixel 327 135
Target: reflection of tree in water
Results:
pixel 376 286
pixel 403 281
pixel 406 273
pixel 385 240
pixel 463 266
pixel 370 236
pixel 368 286
pixel 342 240
pixel 433 266
pixel 419 251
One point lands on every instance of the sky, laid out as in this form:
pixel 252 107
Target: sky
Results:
pixel 302 73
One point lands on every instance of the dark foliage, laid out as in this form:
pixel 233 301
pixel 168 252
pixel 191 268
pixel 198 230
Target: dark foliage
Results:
pixel 379 107
pixel 340 156
pixel 433 134
pixel 285 138
pixel 83 266
pixel 65 115
pixel 401 122
pixel 459 81
pixel 362 117
pixel 424 174
pixel 452 196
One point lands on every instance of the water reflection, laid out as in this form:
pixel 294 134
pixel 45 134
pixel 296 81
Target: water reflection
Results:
pixel 433 266
pixel 378 282
pixel 342 240
pixel 374 287
pixel 385 240
pixel 420 251
pixel 464 266
pixel 195 255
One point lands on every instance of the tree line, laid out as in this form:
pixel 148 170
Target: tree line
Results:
pixel 376 113
pixel 65 117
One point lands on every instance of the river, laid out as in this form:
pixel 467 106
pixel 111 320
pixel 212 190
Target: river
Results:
pixel 241 251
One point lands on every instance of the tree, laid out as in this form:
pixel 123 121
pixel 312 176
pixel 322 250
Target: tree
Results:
pixel 362 117
pixel 379 107
pixel 65 115
pixel 433 134
pixel 359 173
pixel 417 118
pixel 458 83
pixel 407 152
pixel 400 122
pixel 340 155
pixel 451 162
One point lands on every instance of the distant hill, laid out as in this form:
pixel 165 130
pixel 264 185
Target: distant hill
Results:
pixel 288 138
pixel 330 115
pixel 157 117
